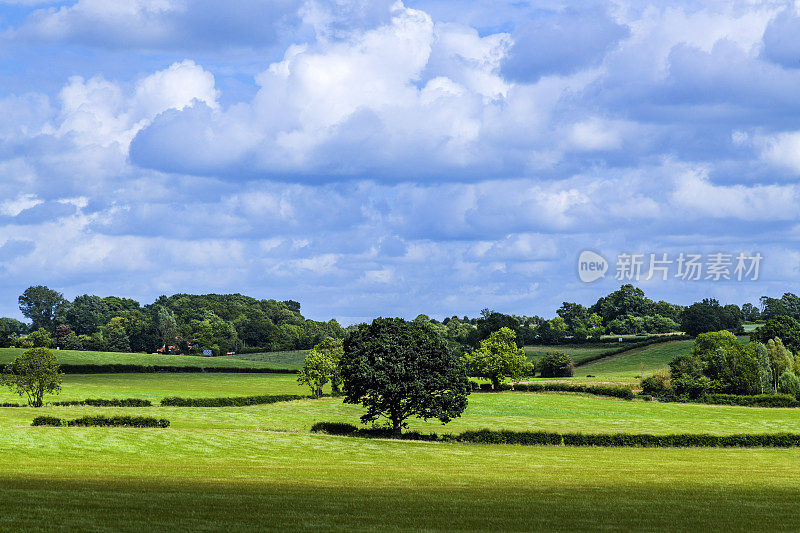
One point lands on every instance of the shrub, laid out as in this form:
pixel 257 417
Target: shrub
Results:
pixel 125 402
pixel 657 385
pixel 334 428
pixel 555 365
pixel 789 384
pixel 48 421
pixel 103 421
pixel 230 401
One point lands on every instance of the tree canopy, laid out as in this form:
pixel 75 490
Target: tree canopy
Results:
pixel 398 369
pixel 33 374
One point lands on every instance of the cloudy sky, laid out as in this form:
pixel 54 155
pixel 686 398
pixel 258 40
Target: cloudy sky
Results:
pixel 384 158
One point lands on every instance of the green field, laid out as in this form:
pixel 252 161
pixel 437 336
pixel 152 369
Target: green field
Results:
pixel 77 357
pixel 287 359
pixel 155 386
pixel 632 363
pixel 259 467
pixel 578 352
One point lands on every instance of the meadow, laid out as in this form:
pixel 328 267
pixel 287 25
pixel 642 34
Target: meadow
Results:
pixel 79 357
pixel 260 468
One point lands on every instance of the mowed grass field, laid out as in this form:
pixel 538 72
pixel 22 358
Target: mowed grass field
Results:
pixel 78 357
pixel 259 468
pixel 286 359
pixel 578 352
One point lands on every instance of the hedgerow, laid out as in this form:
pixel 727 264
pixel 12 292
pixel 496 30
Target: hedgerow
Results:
pixel 147 369
pixel 633 346
pixel 230 401
pixel 125 402
pixel 599 390
pixel 742 400
pixel 546 438
pixel 103 421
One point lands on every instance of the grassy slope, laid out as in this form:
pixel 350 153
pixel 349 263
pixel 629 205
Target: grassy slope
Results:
pixel 630 364
pixel 577 352
pixel 243 480
pixel 77 357
pixel 286 359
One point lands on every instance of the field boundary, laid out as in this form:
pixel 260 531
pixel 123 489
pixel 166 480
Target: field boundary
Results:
pixel 547 438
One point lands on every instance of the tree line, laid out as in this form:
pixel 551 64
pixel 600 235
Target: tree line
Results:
pixel 182 323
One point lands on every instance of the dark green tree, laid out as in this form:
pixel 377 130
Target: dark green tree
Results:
pixel 87 314
pixel 400 369
pixel 785 328
pixel 42 306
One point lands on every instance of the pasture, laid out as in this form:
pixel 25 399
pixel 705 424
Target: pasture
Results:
pixel 260 468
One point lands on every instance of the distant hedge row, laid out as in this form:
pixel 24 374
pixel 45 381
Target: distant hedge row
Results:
pixel 599 390
pixel 230 401
pixel 125 402
pixel 147 369
pixel 545 438
pixel 756 400
pixel 103 421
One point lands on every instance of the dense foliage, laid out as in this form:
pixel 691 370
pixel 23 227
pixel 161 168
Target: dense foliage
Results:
pixel 33 374
pixel 555 364
pixel 398 369
pixel 322 366
pixel 709 315
pixel 498 358
pixel 182 323
pixel 237 401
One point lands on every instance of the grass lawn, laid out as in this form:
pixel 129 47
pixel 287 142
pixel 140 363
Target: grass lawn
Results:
pixel 287 359
pixel 78 357
pixel 578 352
pixel 154 386
pixel 630 364
pixel 84 479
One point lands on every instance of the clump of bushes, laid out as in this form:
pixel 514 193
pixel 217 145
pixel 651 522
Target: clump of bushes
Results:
pixel 237 401
pixel 125 402
pixel 103 421
pixel 657 385
pixel 555 365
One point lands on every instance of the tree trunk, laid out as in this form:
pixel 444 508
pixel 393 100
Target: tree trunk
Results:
pixel 495 384
pixel 397 428
pixel 318 392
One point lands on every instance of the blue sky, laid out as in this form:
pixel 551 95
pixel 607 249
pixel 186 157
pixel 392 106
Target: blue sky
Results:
pixel 378 158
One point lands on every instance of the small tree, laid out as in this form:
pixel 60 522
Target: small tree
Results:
pixel 33 374
pixel 780 360
pixel 498 358
pixel 555 365
pixel 399 369
pixel 321 366
pixel 40 338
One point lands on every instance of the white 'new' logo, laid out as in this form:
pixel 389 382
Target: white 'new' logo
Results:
pixel 591 266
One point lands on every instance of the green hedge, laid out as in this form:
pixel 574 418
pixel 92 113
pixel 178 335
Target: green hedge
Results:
pixel 743 400
pixel 599 390
pixel 10 405
pixel 103 421
pixel 147 369
pixel 125 402
pixel 546 438
pixel 230 401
